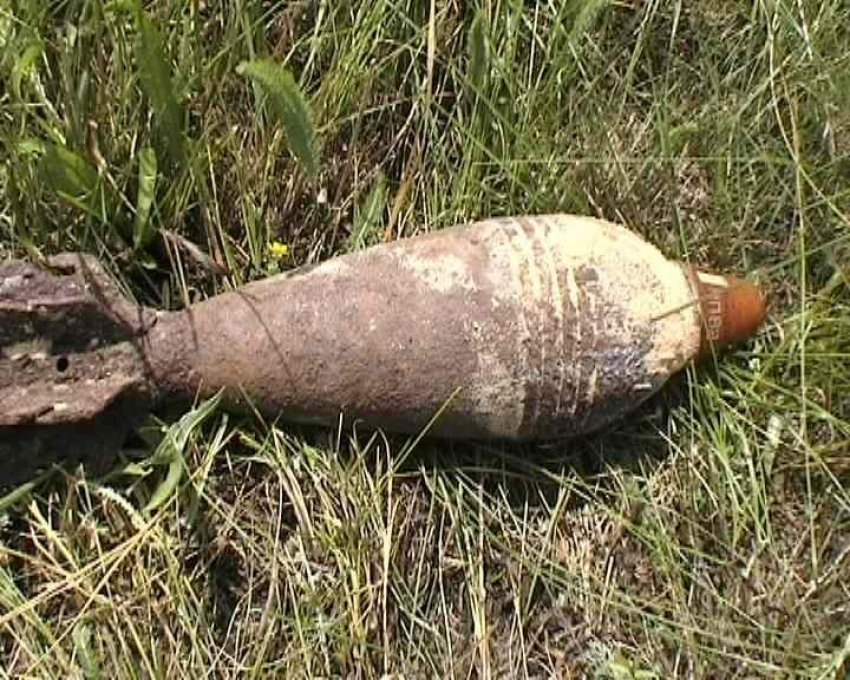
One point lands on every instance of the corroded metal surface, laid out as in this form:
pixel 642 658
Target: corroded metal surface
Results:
pixel 73 378
pixel 517 328
pixel 512 328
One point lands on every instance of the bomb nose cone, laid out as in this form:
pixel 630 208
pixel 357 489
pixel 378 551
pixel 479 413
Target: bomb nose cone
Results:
pixel 732 310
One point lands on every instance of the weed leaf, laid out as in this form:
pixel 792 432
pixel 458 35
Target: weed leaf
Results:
pixel 155 78
pixel 169 485
pixel 369 219
pixel 17 494
pixel 171 451
pixel 142 226
pixel 68 173
pixel 290 106
pixel 24 65
pixel 74 180
pixel 477 46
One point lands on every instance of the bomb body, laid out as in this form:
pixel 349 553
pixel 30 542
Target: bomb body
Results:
pixel 517 328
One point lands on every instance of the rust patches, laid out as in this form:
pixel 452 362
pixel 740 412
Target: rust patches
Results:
pixel 73 378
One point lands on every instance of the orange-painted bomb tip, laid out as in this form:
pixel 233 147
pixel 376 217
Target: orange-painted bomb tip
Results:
pixel 732 311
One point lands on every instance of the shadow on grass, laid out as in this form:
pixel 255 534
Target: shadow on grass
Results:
pixel 529 472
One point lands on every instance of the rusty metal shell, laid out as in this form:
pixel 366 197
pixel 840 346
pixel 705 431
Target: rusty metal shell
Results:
pixel 515 328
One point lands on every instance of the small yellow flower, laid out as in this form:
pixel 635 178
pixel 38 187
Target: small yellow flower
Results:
pixel 278 250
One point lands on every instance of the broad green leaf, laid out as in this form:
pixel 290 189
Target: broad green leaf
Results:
pixel 369 218
pixel 156 82
pixel 24 65
pixel 71 177
pixel 142 226
pixel 135 470
pixel 168 485
pixel 290 107
pixel 171 451
pixel 77 183
pixel 30 147
pixel 477 46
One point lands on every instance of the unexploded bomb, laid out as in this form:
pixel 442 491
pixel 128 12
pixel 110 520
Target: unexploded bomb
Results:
pixel 516 328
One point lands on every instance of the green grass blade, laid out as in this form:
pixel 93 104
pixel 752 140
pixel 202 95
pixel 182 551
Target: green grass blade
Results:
pixel 25 64
pixel 290 106
pixel 369 219
pixel 82 637
pixel 68 173
pixel 478 57
pixel 169 485
pixel 76 182
pixel 143 230
pixel 157 84
pixel 172 451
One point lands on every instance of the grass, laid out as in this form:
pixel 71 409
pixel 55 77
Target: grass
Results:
pixel 704 537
